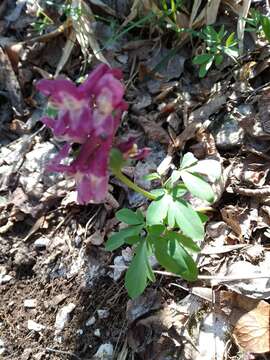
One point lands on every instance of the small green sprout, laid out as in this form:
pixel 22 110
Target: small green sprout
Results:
pixel 216 46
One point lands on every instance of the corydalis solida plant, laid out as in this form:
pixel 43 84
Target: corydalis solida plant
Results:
pixel 88 116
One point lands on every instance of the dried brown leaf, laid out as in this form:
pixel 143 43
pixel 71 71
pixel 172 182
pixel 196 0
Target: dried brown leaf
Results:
pixel 66 52
pixel 153 130
pixel 212 11
pixel 250 318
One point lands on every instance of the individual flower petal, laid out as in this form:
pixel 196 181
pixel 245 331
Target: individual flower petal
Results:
pixel 58 89
pixel 130 150
pixel 55 164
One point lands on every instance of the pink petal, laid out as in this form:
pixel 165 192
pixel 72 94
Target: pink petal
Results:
pixel 89 84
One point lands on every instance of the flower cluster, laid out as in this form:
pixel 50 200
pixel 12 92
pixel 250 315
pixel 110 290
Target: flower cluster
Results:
pixel 88 115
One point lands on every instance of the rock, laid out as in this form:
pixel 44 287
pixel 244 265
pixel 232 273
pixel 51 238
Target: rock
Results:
pixel 41 243
pixel 97 238
pixel 105 352
pixel 39 156
pixel 63 316
pixel 246 109
pixel 5 278
pixel 97 333
pixel 79 332
pixel 2 347
pixel 103 313
pixel 90 321
pixel 30 303
pixel 228 134
pixel 23 260
pixel 32 325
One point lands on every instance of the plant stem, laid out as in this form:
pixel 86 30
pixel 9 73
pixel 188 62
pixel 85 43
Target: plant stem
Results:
pixel 133 186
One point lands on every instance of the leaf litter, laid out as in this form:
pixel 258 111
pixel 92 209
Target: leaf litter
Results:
pixel 52 250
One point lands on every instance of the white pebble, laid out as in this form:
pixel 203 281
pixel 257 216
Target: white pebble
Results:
pixel 97 333
pixel 103 313
pixel 32 325
pixel 90 321
pixel 30 303
pixel 63 316
pixel 105 351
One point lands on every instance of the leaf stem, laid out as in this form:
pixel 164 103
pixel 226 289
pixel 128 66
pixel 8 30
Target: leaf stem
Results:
pixel 133 186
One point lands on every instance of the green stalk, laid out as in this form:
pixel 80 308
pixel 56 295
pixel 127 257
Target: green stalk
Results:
pixel 133 186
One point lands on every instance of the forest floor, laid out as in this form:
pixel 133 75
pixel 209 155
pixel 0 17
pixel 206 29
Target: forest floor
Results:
pixel 62 296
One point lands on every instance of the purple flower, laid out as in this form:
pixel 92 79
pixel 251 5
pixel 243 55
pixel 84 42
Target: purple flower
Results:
pixel 88 115
pixel 89 167
pixel 83 109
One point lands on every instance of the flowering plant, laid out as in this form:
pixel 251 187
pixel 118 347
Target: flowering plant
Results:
pixel 88 116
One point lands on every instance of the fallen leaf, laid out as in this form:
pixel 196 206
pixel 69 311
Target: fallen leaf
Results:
pixel 250 319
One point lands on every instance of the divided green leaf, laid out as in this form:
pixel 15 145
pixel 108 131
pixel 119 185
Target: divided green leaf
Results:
pixel 197 186
pixel 157 210
pixel 152 176
pixel 119 238
pixel 174 258
pixel 139 272
pixel 129 217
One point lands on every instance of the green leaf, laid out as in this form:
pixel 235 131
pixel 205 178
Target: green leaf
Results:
pixel 221 33
pixel 197 186
pixel 188 220
pixel 232 53
pixel 185 241
pixel 205 67
pixel 152 176
pixel 266 26
pixel 129 217
pixel 230 40
pixel 155 230
pixel 119 238
pixel 218 59
pixel 157 210
pixel 132 240
pixel 204 218
pixel 158 192
pixel 176 174
pixel 140 215
pixel 116 160
pixel 188 160
pixel 171 216
pixel 211 168
pixel 138 272
pixel 201 59
pixel 174 258
pixel 179 191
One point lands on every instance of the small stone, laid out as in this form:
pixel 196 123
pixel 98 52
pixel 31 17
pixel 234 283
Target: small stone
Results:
pixel 229 134
pixel 79 332
pixel 32 325
pixel 5 278
pixel 97 238
pixel 63 316
pixel 97 333
pixel 41 243
pixel 103 313
pixel 105 352
pixel 30 303
pixel 90 321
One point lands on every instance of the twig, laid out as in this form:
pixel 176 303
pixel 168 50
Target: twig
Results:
pixel 263 191
pixel 205 277
pixel 63 353
pixel 47 37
